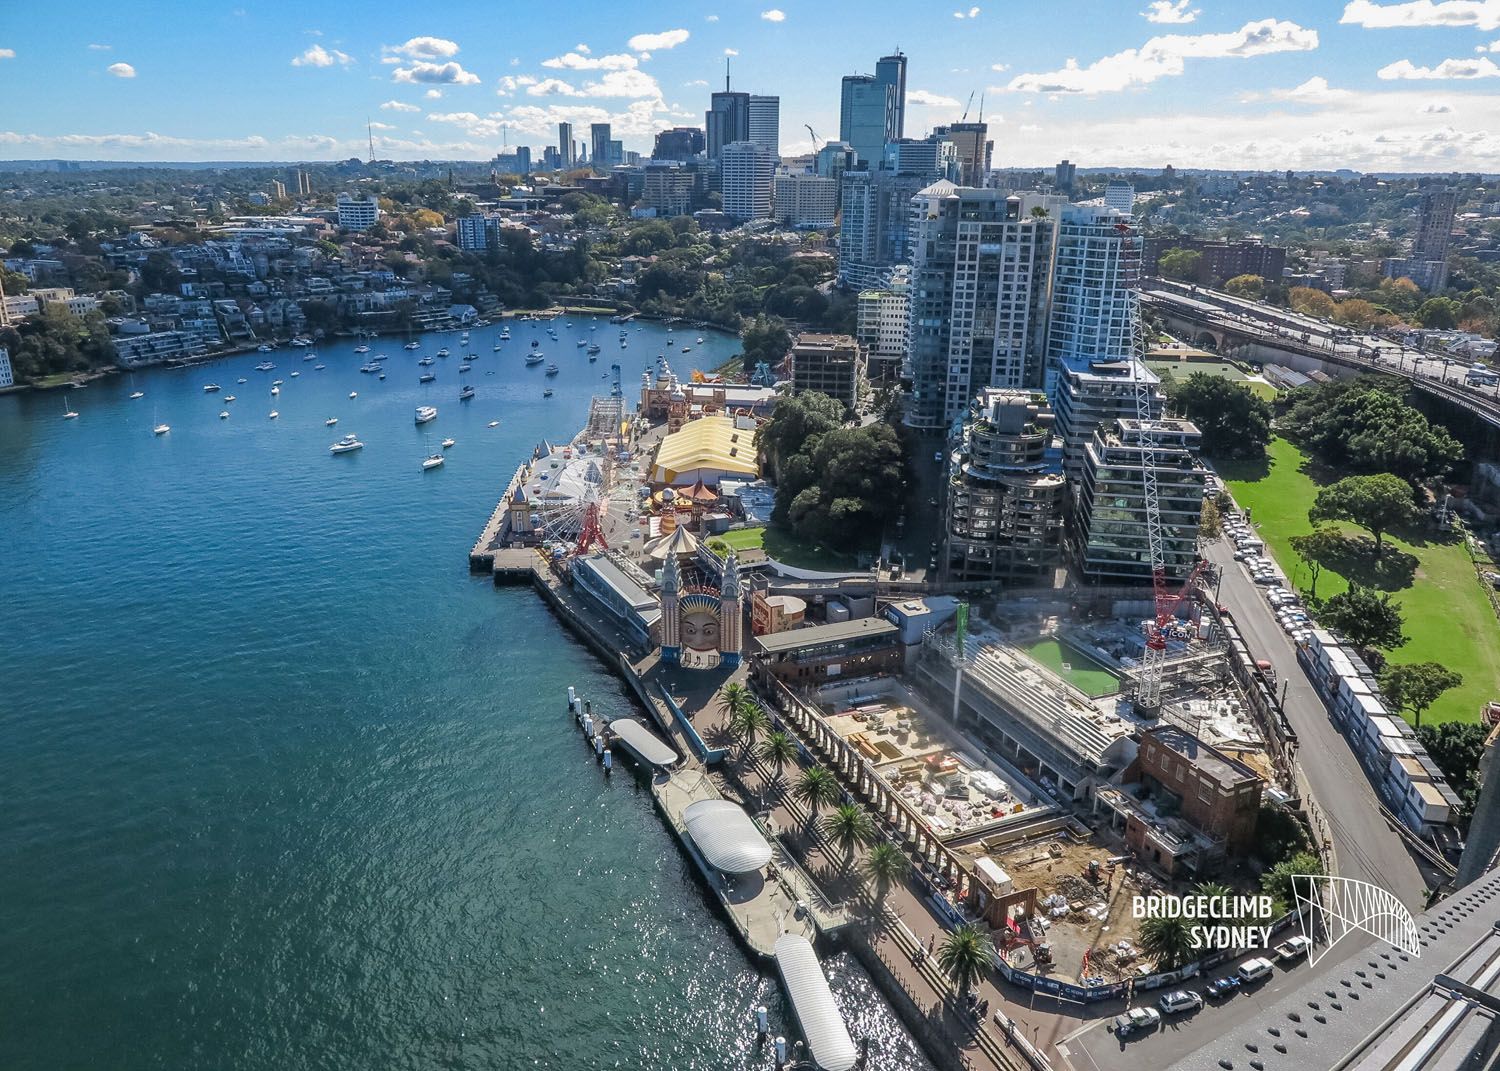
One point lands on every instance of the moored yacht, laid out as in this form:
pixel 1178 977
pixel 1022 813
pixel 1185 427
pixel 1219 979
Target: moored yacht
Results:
pixel 466 393
pixel 210 388
pixel 426 413
pixel 432 462
pixel 361 348
pixel 346 445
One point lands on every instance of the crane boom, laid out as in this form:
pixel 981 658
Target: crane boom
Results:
pixel 814 135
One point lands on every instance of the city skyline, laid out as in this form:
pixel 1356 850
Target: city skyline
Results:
pixel 1363 84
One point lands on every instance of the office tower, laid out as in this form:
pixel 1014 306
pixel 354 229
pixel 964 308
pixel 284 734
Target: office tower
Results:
pixel 882 325
pixel 358 213
pixel 875 223
pixel 981 288
pixel 1093 312
pixel 973 147
pixel 747 172
pixel 551 158
pixel 1006 503
pixel 614 153
pixel 891 71
pixel 834 158
pixel 867 116
pixel 599 157
pixel 565 152
pixel 516 161
pixel 932 155
pixel 727 120
pixel 679 143
pixel 1111 517
pixel 1120 195
pixel 764 120
pixel 669 187
pixel 1063 175
pixel 806 200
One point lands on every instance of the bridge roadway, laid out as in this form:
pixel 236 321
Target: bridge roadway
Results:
pixel 1242 323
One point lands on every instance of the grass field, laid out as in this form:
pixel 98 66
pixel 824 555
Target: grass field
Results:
pixel 1448 616
pixel 1183 369
pixel 1075 667
pixel 788 549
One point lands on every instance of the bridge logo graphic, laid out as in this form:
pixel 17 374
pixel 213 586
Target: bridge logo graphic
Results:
pixel 1337 907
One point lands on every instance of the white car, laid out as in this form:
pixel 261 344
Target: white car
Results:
pixel 1180 1001
pixel 1136 1021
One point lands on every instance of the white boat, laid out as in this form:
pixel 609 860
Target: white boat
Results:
pixel 309 356
pixel 68 411
pixel 493 424
pixel 443 352
pixel 224 414
pixel 464 368
pixel 265 347
pixel 137 394
pixel 354 394
pixel 361 348
pixel 412 346
pixel 700 341
pixel 447 443
pixel 277 382
pixel 242 379
pixel 535 358
pixel 161 429
pixel 301 342
pixel 346 445
pixel 264 366
pixel 296 374
pixel 426 413
pixel 274 414
pixel 330 422
pixel 432 462
pixel 229 397
pixel 275 391
pixel 209 388
pixel 425 361
pixel 319 367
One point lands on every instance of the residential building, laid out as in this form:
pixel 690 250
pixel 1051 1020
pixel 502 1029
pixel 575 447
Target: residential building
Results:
pixel 829 364
pixel 1427 264
pixel 1090 394
pixel 551 158
pixel 726 121
pixel 764 119
pixel 359 212
pixel 63 297
pixel 868 114
pixel 17 307
pixel 1219 261
pixel 7 374
pixel 304 184
pixel 874 227
pixel 932 155
pixel 155 347
pixel 681 143
pixel 478 232
pixel 1120 195
pixel 980 291
pixel 1063 177
pixel 806 200
pixel 1111 514
pixel 882 326
pixel 973 149
pixel 891 71
pixel 1007 497
pixel 1093 311
pixel 669 188
pixel 278 190
pixel 747 174
pixel 566 153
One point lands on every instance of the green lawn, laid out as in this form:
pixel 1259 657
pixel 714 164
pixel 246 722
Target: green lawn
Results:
pixel 1075 667
pixel 1182 369
pixel 788 549
pixel 1448 616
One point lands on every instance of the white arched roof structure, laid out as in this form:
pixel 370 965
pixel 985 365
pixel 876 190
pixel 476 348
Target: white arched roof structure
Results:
pixel 725 835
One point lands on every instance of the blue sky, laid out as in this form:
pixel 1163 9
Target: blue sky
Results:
pixel 1367 84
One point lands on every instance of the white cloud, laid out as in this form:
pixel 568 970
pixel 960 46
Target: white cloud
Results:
pixel 774 15
pixel 318 56
pixel 552 87
pixel 1164 56
pixel 1483 14
pixel 580 47
pixel 1401 70
pixel 637 84
pixel 1000 67
pixel 382 126
pixel 425 48
pixel 696 82
pixel 655 42
pixel 1437 107
pixel 731 52
pixel 121 70
pixel 575 61
pixel 7 53
pixel 433 94
pixel 972 13
pixel 933 100
pixel 450 73
pixel 1315 90
pixel 1169 13
pixel 398 106
pixel 101 48
pixel 710 18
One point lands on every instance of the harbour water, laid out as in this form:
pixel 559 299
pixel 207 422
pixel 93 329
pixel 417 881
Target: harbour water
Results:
pixel 285 787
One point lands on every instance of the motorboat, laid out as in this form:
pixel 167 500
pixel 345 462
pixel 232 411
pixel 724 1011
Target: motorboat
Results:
pixel 687 349
pixel 347 444
pixel 137 394
pixel 378 358
pixel 412 346
pixel 464 368
pixel 296 374
pixel 161 429
pixel 361 348
pixel 582 343
pixel 466 393
pixel 265 347
pixel 353 394
pixel 700 341
pixel 593 348
pixel 277 382
pixel 426 377
pixel 274 414
pixel 210 388
pixel 301 342
pixel 275 391
pixel 330 422
pixel 426 413
pixel 264 366
pixel 229 397
pixel 493 424
pixel 547 393
pixel 224 414
pixel 552 369
pixel 242 379
pixel 443 352
pixel 535 358
pixel 432 462
pixel 319 367
pixel 381 376
pixel 368 368
pixel 447 443
pixel 309 356
pixel 496 347
pixel 425 361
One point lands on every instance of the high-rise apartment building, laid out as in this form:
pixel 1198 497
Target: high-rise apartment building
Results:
pixel 974 149
pixel 1427 264
pixel 478 232
pixel 875 224
pixel 679 143
pixel 882 326
pixel 359 212
pixel 1063 176
pixel 1120 195
pixel 932 155
pixel 669 187
pixel 516 161
pixel 980 296
pixel 828 364
pixel 278 190
pixel 806 200
pixel 726 121
pixel 1094 394
pixel 891 71
pixel 551 158
pixel 1007 499
pixel 868 114
pixel 1093 310
pixel 304 184
pixel 1111 516
pixel 567 155
pixel 746 176
pixel 599 154
pixel 764 122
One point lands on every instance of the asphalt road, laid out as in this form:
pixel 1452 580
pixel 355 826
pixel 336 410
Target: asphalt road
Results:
pixel 1365 846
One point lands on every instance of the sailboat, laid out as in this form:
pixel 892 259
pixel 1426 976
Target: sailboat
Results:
pixel 68 411
pixel 134 394
pixel 159 429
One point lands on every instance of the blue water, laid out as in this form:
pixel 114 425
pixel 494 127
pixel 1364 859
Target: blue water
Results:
pixel 284 787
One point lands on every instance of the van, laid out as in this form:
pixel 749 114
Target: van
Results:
pixel 1255 970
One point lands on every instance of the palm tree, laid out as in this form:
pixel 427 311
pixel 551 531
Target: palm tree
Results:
pixel 748 722
pixel 849 827
pixel 1168 940
pixel 733 697
pixel 817 788
pixel 885 865
pixel 965 956
pixel 778 749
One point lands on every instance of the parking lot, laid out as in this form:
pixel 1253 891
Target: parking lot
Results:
pixel 1285 603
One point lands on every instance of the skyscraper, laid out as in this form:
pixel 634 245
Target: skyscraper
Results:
pixel 599 136
pixel 565 152
pixel 1063 175
pixel 727 119
pixel 1120 195
pixel 867 116
pixel 1434 225
pixel 679 143
pixel 972 144
pixel 891 70
pixel 764 119
pixel 747 172
pixel 874 225
pixel 1093 313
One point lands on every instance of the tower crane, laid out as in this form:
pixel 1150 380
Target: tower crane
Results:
pixel 965 117
pixel 814 135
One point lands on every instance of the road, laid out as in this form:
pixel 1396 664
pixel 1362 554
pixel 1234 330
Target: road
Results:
pixel 1364 845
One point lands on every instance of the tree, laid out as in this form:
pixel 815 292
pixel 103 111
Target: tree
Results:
pixel 817 788
pixel 1365 426
pixel 1374 503
pixel 733 697
pixel 1278 835
pixel 1415 686
pixel 1458 748
pixel 1208 520
pixel 794 422
pixel 1235 422
pixel 859 482
pixel 1356 313
pixel 748 722
pixel 1365 618
pixel 849 827
pixel 1278 882
pixel 964 956
pixel 778 749
pixel 1179 263
pixel 766 340
pixel 1317 548
pixel 1169 941
pixel 1311 302
pixel 1246 286
pixel 885 865
pixel 1438 313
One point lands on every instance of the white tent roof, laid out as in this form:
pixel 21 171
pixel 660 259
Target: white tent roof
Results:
pixel 725 835
pixel 643 742
pixel 827 1037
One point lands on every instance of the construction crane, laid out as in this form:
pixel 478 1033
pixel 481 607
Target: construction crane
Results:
pixel 1164 603
pixel 814 135
pixel 965 117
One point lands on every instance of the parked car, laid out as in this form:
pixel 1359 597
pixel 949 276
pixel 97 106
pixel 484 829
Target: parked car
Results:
pixel 1136 1021
pixel 1180 1001
pixel 1292 948
pixel 1224 988
pixel 1256 970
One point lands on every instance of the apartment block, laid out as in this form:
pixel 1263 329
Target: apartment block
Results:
pixel 882 326
pixel 747 174
pixel 359 212
pixel 669 188
pixel 7 374
pixel 806 201
pixel 875 225
pixel 1090 394
pixel 829 364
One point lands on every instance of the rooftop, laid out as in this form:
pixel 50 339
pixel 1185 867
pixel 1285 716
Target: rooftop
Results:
pixel 814 635
pixel 1223 769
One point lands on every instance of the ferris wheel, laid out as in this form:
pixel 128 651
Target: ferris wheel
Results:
pixel 567 504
